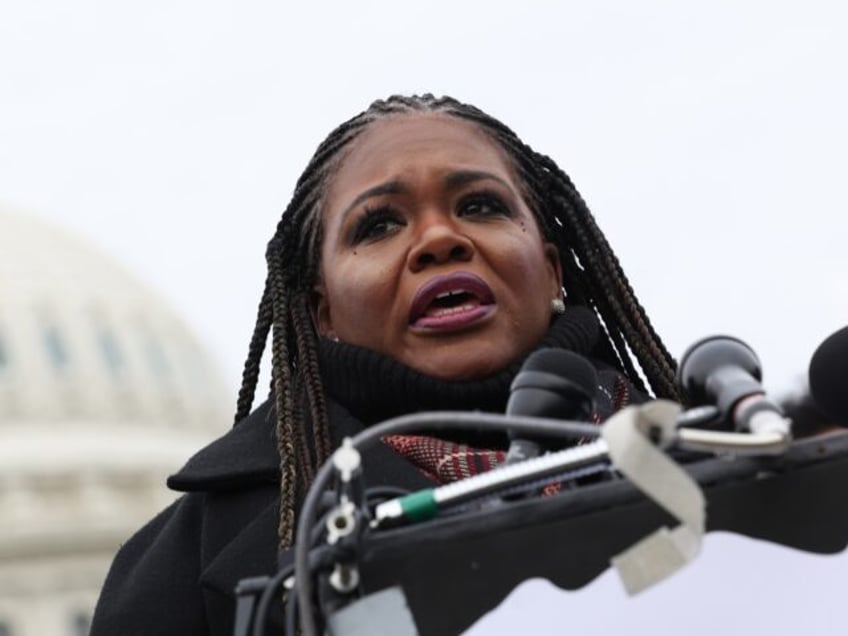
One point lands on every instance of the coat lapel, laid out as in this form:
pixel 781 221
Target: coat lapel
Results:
pixel 239 476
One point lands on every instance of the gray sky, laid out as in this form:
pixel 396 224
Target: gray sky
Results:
pixel 708 139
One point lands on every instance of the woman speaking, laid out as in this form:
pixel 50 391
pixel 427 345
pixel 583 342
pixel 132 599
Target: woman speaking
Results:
pixel 425 253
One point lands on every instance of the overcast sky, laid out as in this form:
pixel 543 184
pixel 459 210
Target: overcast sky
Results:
pixel 709 142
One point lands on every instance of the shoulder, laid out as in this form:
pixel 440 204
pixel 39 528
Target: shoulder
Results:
pixel 176 575
pixel 152 582
pixel 244 456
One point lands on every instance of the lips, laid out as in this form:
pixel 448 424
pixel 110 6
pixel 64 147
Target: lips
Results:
pixel 451 301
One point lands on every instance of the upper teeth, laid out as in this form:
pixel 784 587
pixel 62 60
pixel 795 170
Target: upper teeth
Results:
pixel 448 294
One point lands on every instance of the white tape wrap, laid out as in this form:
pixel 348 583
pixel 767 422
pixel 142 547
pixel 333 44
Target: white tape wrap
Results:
pixel 635 437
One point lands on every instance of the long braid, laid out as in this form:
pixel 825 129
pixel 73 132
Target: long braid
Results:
pixel 304 461
pixel 250 375
pixel 283 398
pixel 307 356
pixel 292 261
pixel 600 282
pixel 642 339
pixel 593 276
pixel 648 337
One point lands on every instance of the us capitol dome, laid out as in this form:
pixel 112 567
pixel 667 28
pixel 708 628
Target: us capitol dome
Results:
pixel 103 393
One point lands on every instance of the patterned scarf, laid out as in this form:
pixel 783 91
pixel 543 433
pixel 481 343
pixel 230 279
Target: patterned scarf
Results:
pixel 445 461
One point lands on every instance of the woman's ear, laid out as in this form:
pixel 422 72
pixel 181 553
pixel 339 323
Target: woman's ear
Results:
pixel 321 312
pixel 552 256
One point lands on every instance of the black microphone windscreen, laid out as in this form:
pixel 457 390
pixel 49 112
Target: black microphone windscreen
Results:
pixel 703 360
pixel 829 376
pixel 565 364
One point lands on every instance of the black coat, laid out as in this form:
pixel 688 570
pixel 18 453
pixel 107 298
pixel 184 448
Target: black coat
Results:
pixel 177 575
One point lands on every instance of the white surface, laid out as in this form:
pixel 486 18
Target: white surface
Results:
pixel 736 586
pixel 709 139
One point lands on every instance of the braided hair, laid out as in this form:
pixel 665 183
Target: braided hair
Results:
pixel 591 270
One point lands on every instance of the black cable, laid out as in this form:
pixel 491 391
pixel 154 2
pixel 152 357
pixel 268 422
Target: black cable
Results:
pixel 291 613
pixel 385 492
pixel 277 580
pixel 379 494
pixel 318 529
pixel 265 599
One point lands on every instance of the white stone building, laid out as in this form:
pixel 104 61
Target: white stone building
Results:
pixel 103 393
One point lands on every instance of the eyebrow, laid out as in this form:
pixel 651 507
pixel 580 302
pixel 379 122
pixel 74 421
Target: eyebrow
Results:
pixel 453 181
pixel 389 187
pixel 462 177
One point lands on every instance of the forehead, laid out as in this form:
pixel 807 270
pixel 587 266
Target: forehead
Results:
pixel 416 145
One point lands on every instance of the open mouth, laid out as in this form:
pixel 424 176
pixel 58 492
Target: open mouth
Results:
pixel 452 301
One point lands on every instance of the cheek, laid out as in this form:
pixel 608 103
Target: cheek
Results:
pixel 527 274
pixel 529 265
pixel 360 295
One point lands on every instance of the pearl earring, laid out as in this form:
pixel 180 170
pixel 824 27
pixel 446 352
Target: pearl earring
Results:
pixel 557 306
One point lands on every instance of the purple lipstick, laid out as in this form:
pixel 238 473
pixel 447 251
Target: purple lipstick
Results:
pixel 451 302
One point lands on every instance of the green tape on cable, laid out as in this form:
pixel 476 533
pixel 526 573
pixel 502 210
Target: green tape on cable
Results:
pixel 419 506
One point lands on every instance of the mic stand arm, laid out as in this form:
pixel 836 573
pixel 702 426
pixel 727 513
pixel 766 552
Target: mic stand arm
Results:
pixel 772 438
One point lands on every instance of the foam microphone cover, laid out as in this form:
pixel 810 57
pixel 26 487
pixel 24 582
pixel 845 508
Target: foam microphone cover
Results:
pixel 829 376
pixel 554 383
pixel 719 370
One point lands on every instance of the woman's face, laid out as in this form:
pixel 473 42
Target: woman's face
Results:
pixel 430 254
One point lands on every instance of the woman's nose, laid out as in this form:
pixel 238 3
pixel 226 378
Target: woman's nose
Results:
pixel 438 243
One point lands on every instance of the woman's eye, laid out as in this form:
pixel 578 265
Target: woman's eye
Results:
pixel 484 205
pixel 374 224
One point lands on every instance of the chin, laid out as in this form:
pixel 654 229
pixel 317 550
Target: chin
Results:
pixel 459 368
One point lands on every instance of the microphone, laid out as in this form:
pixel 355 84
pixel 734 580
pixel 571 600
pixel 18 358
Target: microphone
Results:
pixel 724 371
pixel 552 383
pixel 828 376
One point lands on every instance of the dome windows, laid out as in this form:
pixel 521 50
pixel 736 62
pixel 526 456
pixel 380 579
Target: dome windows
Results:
pixel 109 349
pixel 5 357
pixel 56 347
